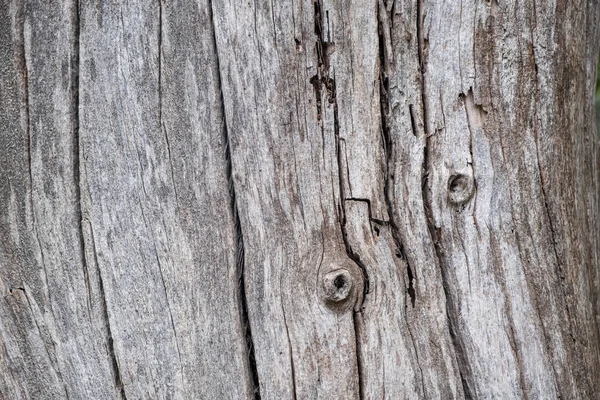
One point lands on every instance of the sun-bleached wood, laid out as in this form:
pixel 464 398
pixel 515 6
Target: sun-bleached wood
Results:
pixel 299 199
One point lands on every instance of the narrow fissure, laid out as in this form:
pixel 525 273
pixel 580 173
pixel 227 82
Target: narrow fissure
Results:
pixel 411 289
pixel 76 155
pixel 464 371
pixel 413 125
pixel 384 60
pixel 240 266
pixel 25 80
pixel 558 268
pixel 75 96
pixel 319 81
pixel 358 308
pixel 384 37
pixel 287 332
pixel 357 312
pixel 161 123
pixel 245 320
pixel 26 100
pixel 111 347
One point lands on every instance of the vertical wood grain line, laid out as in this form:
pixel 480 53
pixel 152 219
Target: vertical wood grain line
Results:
pixel 245 320
pixel 466 375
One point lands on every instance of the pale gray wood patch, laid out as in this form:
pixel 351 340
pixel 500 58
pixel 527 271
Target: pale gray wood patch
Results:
pixel 49 306
pixel 498 94
pixel 164 239
pixel 299 199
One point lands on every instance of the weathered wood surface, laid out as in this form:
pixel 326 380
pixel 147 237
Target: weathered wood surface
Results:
pixel 299 199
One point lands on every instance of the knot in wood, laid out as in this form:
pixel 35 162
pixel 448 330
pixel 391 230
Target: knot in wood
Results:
pixel 460 189
pixel 337 285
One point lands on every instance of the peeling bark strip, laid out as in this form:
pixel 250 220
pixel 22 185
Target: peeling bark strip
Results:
pixel 299 199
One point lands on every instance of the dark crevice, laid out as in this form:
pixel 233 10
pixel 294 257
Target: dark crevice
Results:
pixel 162 125
pixel 385 54
pixel 244 316
pixel 559 267
pixel 321 80
pixel 466 375
pixel 354 257
pixel 411 288
pixel 27 105
pixel 75 96
pixel 413 125
pixel 240 265
pixel 357 314
pixel 316 82
pixel 357 321
pixel 111 348
pixel 25 80
pixel 287 332
pixel 471 144
pixel 384 39
pixel 510 331
pixel 76 149
pixel 421 57
pixel 323 45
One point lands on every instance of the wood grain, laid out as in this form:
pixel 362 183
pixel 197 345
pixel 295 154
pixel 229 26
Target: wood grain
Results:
pixel 49 300
pixel 299 199
pixel 165 241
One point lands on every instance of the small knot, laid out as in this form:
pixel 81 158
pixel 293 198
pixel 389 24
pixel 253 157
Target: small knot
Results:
pixel 460 189
pixel 337 285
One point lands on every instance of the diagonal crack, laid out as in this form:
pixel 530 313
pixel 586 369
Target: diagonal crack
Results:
pixel 357 317
pixel 75 57
pixel 464 370
pixel 287 332
pixel 386 60
pixel 78 171
pixel 161 122
pixel 111 346
pixel 244 315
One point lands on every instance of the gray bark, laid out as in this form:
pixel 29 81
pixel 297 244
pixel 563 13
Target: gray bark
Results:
pixel 299 199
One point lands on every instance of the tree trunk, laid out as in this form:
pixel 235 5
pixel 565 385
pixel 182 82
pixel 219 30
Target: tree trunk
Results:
pixel 299 199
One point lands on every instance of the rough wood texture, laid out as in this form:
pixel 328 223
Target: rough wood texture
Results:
pixel 164 240
pixel 299 199
pixel 54 342
pixel 519 255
